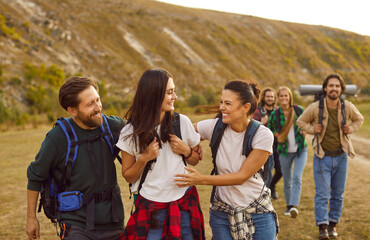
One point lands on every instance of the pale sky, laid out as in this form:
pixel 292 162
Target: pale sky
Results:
pixel 350 15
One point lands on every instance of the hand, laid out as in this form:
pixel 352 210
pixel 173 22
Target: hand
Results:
pixel 151 151
pixel 346 129
pixel 200 152
pixel 33 228
pixel 303 132
pixel 178 146
pixel 318 128
pixel 190 179
pixel 265 119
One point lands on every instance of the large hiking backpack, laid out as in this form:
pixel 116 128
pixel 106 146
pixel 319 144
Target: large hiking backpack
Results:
pixel 218 131
pixel 54 199
pixel 321 100
pixel 175 130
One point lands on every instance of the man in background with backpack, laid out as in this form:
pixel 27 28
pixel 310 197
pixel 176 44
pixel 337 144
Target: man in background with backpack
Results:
pixel 265 107
pixel 328 119
pixel 77 155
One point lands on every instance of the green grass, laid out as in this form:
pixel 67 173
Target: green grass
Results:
pixel 18 149
pixel 364 109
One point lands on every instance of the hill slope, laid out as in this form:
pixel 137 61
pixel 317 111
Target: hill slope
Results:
pixel 116 40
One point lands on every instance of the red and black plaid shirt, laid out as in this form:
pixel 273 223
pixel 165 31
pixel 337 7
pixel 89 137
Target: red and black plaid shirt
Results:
pixel 138 225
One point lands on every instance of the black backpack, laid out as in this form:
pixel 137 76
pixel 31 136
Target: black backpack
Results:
pixel 55 200
pixel 252 128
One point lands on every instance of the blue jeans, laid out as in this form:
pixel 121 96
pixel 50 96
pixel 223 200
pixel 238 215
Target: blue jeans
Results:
pixel 156 234
pixel 330 175
pixel 264 224
pixel 292 184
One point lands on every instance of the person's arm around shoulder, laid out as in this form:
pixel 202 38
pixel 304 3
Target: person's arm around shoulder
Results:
pixel 32 225
pixel 356 119
pixel 305 120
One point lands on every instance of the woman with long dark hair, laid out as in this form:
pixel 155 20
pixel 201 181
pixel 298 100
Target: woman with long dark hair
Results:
pixel 151 155
pixel 241 206
pixel 292 147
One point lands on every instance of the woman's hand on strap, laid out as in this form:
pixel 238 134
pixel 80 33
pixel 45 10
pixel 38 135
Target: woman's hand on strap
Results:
pixel 178 146
pixel 151 152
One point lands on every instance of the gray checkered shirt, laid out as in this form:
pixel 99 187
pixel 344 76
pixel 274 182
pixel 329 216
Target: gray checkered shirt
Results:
pixel 240 218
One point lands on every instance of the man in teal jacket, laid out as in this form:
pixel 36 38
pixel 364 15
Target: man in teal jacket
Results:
pixel 93 172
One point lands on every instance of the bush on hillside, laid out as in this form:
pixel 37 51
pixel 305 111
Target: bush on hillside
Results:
pixel 196 99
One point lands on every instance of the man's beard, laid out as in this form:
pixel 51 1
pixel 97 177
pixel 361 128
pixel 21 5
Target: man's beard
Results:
pixel 331 97
pixel 270 105
pixel 88 121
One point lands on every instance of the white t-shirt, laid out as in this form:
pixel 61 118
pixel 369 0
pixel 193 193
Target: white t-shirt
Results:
pixel 229 159
pixel 292 146
pixel 159 185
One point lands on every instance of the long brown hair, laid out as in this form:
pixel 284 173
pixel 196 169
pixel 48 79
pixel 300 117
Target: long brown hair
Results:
pixel 289 121
pixel 144 113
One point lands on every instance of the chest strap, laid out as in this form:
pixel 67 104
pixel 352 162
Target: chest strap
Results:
pixel 90 200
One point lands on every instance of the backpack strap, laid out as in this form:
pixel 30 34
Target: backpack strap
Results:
pixel 297 110
pixel 176 129
pixel 72 148
pixel 214 144
pixel 343 110
pixel 278 123
pixel 320 118
pixel 108 136
pixel 104 128
pixel 249 134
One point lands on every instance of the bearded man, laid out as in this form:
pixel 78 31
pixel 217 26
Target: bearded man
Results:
pixel 331 126
pixel 91 178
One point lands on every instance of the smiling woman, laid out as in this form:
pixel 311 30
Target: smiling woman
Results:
pixel 152 155
pixel 241 197
pixel 292 147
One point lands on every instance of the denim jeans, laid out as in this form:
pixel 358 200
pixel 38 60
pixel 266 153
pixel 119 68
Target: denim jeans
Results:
pixel 330 175
pixel 156 234
pixel 293 183
pixel 264 224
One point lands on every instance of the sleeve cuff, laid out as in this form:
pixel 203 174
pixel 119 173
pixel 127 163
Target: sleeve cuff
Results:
pixel 34 186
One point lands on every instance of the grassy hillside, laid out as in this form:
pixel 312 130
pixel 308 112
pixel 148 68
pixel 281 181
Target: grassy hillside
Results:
pixel 42 42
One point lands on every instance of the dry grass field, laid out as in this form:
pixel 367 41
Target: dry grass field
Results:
pixel 18 148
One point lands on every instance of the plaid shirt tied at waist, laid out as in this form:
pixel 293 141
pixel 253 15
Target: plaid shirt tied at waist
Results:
pixel 240 218
pixel 139 223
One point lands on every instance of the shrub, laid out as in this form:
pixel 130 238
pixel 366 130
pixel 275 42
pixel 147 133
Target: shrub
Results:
pixel 196 99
